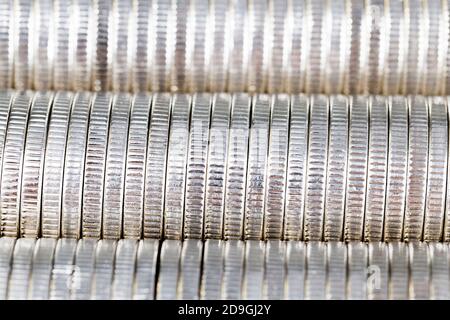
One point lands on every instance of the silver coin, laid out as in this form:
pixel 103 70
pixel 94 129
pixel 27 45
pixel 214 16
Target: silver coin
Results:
pixel 432 65
pixel 378 271
pixel 255 59
pixel 169 259
pixel 297 166
pixel 12 165
pixel 376 168
pixel 417 168
pixel 253 278
pixel 276 167
pixel 274 270
pixel 21 267
pixel 160 58
pixel 55 152
pixel 212 269
pixel 156 163
pixel 357 259
pixel 190 268
pixel 176 167
pixel 217 166
pixel 42 32
pixel 419 264
pixel 398 270
pixel 6 44
pixel 6 99
pixel 145 273
pixel 64 25
pixel 337 169
pixel 353 64
pixel 197 161
pixel 116 155
pixel 139 44
pixel 316 168
pixel 237 167
pixel 446 68
pixel 33 165
pixel 176 45
pixel 274 44
pixel 397 168
pixel 41 273
pixel 335 24
pixel 336 269
pixel 295 270
pixel 94 168
pixel 313 46
pixel 356 169
pixel 83 271
pixel 412 15
pixel 124 269
pixel 61 282
pixel 101 35
pixel 104 270
pixel 295 51
pixel 440 280
pixel 437 167
pixel 120 44
pixel 316 271
pixel 80 54
pixel 6 254
pixel 196 44
pixel 256 172
pixel 237 59
pixel 23 19
pixel 395 35
pixel 233 270
pixel 133 202
pixel 217 39
pixel 74 164
pixel 372 47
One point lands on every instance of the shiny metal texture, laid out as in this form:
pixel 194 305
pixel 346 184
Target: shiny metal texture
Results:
pixel 271 46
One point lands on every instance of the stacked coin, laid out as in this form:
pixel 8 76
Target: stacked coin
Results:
pixel 309 46
pixel 224 166
pixel 215 269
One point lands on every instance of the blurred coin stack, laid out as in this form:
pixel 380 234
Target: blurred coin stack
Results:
pixel 195 149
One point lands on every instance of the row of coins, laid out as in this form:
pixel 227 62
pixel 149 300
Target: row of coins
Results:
pixel 216 269
pixel 224 166
pixel 325 46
